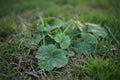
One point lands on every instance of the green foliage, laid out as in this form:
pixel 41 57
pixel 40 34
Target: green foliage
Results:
pixel 53 39
pixel 52 23
pixel 96 30
pixel 6 27
pixel 70 28
pixel 69 53
pixel 63 40
pixel 85 44
pixel 101 69
pixel 88 38
pixel 32 40
pixel 83 48
pixel 50 57
pixel 61 35
pixel 116 58
pixel 49 24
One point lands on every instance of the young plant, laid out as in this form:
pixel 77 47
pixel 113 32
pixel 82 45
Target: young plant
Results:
pixel 54 38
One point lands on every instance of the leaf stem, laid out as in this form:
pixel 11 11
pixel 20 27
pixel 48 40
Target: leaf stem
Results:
pixel 43 39
pixel 71 21
pixel 42 21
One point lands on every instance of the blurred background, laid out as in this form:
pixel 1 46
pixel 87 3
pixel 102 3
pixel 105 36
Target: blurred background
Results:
pixel 105 12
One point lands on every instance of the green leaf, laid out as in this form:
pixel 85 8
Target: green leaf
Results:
pixel 63 40
pixel 49 24
pixel 70 28
pixel 41 25
pixel 85 44
pixel 96 30
pixel 69 53
pixel 81 26
pixel 40 28
pixel 83 48
pixel 50 57
pixel 52 23
pixel 32 40
pixel 88 38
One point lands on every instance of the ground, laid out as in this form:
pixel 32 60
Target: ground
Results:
pixel 19 15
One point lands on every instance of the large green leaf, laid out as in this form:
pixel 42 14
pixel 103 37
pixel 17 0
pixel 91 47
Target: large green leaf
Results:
pixel 88 38
pixel 83 48
pixel 63 40
pixel 96 29
pixel 50 57
pixel 85 44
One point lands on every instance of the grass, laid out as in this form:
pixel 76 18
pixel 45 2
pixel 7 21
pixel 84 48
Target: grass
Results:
pixel 16 60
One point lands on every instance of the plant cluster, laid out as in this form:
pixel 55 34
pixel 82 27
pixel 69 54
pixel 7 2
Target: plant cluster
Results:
pixel 56 41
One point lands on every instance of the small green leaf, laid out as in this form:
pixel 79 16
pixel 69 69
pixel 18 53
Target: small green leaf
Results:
pixel 69 53
pixel 32 40
pixel 50 57
pixel 41 25
pixel 40 28
pixel 96 29
pixel 52 23
pixel 63 40
pixel 49 24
